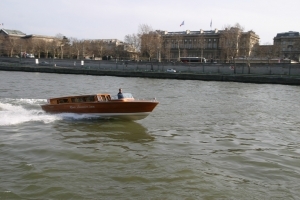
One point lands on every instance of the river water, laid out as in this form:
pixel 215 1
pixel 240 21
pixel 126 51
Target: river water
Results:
pixel 205 140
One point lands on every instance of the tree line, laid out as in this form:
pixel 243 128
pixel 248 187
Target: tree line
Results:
pixel 147 44
pixel 63 47
pixel 233 43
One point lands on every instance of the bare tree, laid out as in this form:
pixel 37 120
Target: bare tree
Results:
pixel 276 51
pixel 46 47
pixel 10 44
pixel 230 41
pixel 266 52
pixel 65 46
pixel 150 41
pixel 85 46
pixel 258 51
pixel 30 46
pixel 54 47
pixel 99 48
pixel 39 44
pixel 75 47
pixel 61 42
pixel 134 40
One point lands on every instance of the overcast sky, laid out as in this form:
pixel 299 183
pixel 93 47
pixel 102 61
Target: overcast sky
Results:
pixel 113 19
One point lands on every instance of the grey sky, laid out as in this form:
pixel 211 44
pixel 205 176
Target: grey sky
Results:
pixel 105 19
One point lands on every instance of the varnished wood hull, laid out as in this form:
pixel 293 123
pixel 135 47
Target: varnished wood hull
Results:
pixel 131 110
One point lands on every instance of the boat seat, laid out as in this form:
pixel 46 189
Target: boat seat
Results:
pixel 103 98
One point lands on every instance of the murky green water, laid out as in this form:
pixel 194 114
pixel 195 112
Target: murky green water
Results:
pixel 205 140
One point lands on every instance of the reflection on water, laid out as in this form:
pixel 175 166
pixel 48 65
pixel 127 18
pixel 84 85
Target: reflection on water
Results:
pixel 91 131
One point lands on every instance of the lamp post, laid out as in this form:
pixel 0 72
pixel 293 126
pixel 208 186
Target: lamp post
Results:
pixel 116 62
pixel 20 54
pixel 159 55
pixel 202 55
pixel 178 52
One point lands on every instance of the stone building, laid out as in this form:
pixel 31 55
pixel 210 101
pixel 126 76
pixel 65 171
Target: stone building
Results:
pixel 289 44
pixel 39 38
pixel 190 44
pixel 213 44
pixel 12 33
pixel 9 41
pixel 14 42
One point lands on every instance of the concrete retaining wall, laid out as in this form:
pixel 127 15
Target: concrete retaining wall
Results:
pixel 199 68
pixel 183 75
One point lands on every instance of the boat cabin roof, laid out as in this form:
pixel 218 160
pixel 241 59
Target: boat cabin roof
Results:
pixel 102 97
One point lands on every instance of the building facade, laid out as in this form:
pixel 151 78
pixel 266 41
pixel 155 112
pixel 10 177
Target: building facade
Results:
pixel 213 44
pixel 190 44
pixel 17 43
pixel 12 33
pixel 9 41
pixel 289 44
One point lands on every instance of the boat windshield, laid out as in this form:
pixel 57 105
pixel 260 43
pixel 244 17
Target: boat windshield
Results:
pixel 125 95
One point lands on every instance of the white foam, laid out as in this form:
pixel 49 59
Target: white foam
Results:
pixel 73 116
pixel 17 111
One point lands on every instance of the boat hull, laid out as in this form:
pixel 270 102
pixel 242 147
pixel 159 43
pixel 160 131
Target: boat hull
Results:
pixel 131 110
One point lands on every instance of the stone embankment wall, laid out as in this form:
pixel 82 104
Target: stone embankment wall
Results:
pixel 278 73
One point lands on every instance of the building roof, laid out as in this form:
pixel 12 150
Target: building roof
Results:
pixel 39 36
pixel 204 32
pixel 288 34
pixel 188 32
pixel 13 32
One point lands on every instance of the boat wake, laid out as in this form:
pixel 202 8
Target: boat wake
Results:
pixel 18 111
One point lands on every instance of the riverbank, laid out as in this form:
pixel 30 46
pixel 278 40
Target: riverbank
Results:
pixel 245 78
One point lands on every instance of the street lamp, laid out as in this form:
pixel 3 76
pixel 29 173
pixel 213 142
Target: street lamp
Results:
pixel 20 54
pixel 158 54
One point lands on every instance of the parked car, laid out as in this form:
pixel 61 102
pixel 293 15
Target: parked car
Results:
pixel 44 63
pixel 171 70
pixel 29 55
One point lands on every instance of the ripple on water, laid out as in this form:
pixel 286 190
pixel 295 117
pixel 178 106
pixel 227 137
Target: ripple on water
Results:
pixel 205 140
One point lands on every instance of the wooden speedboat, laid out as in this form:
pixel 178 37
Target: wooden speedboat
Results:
pixel 102 105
